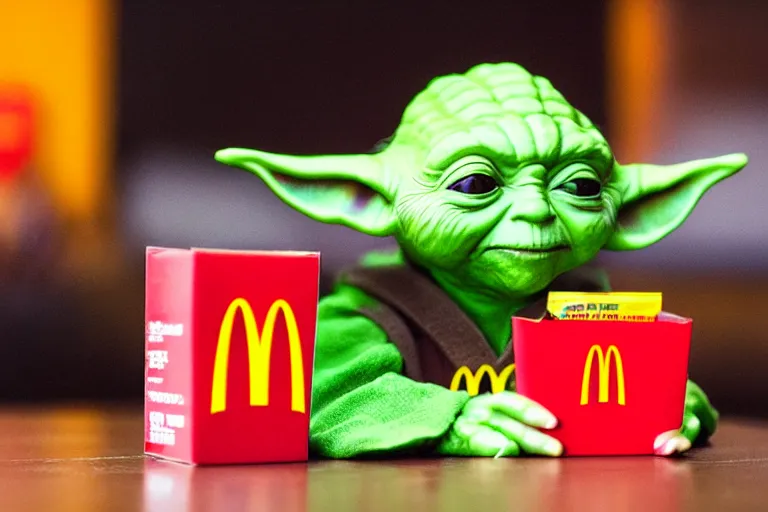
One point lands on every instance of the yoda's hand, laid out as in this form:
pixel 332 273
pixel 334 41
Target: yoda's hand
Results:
pixel 500 425
pixel 699 423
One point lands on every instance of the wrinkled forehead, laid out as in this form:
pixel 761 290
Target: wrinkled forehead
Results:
pixel 503 110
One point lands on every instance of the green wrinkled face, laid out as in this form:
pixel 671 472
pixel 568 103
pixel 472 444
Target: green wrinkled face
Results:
pixel 503 183
pixel 494 183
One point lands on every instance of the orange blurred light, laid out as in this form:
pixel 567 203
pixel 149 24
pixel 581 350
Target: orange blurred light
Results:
pixel 638 47
pixel 62 51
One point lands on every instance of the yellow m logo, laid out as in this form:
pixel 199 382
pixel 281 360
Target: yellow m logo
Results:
pixel 604 369
pixel 498 382
pixel 259 355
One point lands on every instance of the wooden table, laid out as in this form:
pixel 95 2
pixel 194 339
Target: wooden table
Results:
pixel 88 459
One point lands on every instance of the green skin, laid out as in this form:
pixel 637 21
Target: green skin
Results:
pixel 495 185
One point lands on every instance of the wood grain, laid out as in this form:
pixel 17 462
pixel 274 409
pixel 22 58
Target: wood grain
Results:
pixel 88 459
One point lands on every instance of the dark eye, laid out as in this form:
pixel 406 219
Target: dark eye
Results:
pixel 583 187
pixel 475 184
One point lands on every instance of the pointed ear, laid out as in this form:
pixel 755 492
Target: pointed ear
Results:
pixel 337 189
pixel 655 200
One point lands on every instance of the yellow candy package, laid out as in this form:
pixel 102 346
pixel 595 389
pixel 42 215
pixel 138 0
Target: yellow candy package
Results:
pixel 605 306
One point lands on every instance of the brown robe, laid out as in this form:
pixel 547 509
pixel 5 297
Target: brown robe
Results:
pixel 434 336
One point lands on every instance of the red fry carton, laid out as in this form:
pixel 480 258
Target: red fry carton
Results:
pixel 230 341
pixel 613 385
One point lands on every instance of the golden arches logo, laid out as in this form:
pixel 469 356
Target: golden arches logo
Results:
pixel 498 382
pixel 604 369
pixel 259 356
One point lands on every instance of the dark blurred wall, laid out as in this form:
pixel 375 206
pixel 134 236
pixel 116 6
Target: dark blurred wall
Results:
pixel 303 76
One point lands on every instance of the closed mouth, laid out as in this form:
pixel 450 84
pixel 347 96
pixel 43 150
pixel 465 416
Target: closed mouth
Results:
pixel 529 250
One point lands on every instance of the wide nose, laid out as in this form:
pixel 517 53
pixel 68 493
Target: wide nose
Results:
pixel 529 199
pixel 530 204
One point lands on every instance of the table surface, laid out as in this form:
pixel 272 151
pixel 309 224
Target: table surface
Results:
pixel 89 459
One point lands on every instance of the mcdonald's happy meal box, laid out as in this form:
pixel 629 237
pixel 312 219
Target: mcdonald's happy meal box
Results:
pixel 225 387
pixel 614 381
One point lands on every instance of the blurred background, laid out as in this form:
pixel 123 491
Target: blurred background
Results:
pixel 110 113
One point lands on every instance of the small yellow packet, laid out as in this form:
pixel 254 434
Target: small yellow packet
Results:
pixel 605 306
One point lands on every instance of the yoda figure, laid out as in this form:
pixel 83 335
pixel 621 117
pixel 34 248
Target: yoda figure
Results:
pixel 497 191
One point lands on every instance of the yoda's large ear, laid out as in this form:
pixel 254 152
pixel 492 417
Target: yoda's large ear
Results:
pixel 338 189
pixel 655 200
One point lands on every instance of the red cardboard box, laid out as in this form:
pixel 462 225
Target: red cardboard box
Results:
pixel 613 386
pixel 230 339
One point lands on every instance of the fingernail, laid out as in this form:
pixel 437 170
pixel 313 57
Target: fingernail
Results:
pixel 667 448
pixel 501 451
pixel 661 439
pixel 682 444
pixel 676 444
pixel 553 447
pixel 537 417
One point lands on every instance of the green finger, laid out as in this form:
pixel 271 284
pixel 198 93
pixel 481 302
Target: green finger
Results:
pixel 693 389
pixel 466 427
pixel 697 402
pixel 519 408
pixel 490 443
pixel 456 441
pixel 695 397
pixel 511 449
pixel 691 427
pixel 708 416
pixel 529 439
pixel 468 439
